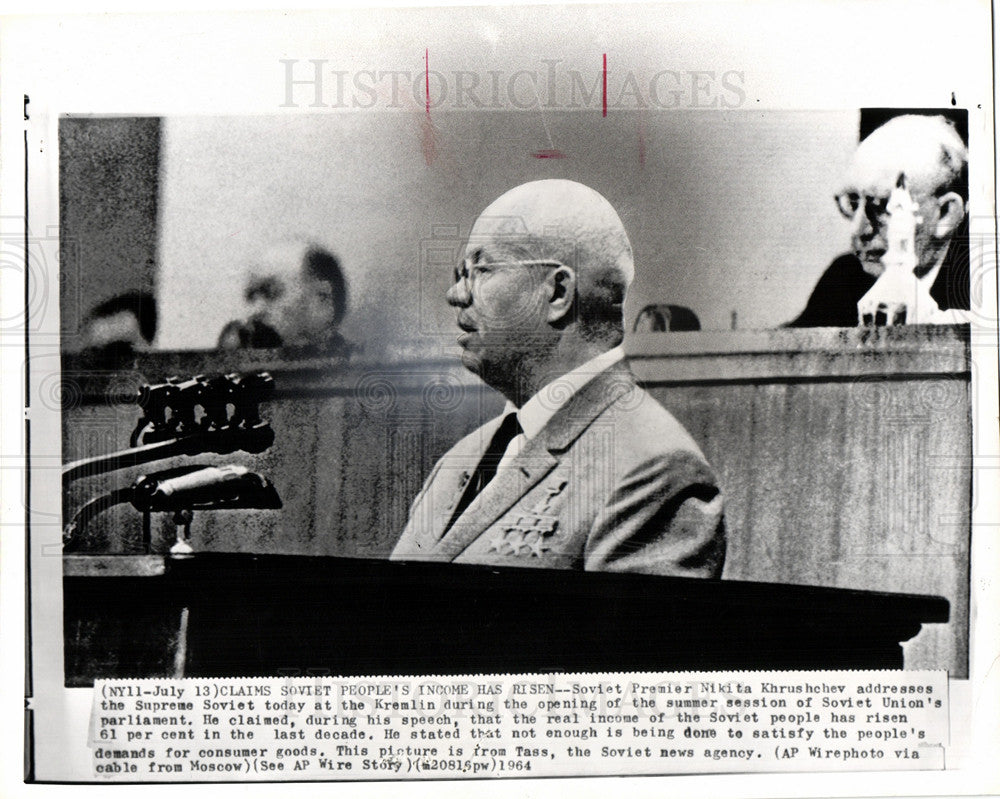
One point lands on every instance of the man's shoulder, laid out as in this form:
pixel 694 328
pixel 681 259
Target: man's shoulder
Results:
pixel 644 429
pixel 833 301
pixel 952 287
pixel 845 265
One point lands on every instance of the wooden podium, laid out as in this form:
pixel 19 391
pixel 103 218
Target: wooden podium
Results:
pixel 845 457
pixel 220 615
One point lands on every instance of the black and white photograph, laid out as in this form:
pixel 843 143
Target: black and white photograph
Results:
pixel 534 385
pixel 435 358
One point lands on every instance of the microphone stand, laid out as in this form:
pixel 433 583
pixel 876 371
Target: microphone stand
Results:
pixel 93 508
pixel 178 434
pixel 255 439
pixel 149 493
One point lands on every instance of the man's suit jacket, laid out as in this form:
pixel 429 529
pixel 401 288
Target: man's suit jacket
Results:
pixel 613 482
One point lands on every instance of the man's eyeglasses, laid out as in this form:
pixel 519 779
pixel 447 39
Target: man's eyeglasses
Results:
pixel 469 271
pixel 268 289
pixel 848 204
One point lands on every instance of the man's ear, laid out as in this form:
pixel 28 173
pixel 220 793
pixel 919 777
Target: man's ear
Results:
pixel 561 292
pixel 951 212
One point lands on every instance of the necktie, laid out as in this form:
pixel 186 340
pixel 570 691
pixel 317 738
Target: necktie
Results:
pixel 509 428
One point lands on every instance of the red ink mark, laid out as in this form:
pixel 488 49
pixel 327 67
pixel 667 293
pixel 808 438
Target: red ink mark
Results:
pixel 604 87
pixel 428 140
pixel 427 79
pixel 548 154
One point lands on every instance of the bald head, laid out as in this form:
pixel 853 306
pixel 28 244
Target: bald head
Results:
pixel 542 286
pixel 570 223
pixel 927 149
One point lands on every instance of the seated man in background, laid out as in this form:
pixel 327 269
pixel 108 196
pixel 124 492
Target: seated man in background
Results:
pixel 584 469
pixel 120 326
pixel 297 295
pixel 663 318
pixel 934 160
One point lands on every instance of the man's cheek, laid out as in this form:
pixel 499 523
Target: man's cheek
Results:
pixel 495 315
pixel 524 312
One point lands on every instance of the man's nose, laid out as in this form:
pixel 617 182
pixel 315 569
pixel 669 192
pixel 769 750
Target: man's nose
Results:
pixel 459 294
pixel 259 307
pixel 861 223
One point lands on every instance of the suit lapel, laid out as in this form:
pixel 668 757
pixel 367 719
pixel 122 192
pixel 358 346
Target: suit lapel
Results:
pixel 536 460
pixel 509 485
pixel 435 508
pixel 444 499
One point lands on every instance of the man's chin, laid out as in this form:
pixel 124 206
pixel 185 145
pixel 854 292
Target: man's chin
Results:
pixel 873 266
pixel 472 362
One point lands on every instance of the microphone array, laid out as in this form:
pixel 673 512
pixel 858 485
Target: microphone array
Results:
pixel 181 407
pixel 183 417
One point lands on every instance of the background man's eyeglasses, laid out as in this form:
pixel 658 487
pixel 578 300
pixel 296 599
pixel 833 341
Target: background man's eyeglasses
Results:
pixel 848 204
pixel 267 289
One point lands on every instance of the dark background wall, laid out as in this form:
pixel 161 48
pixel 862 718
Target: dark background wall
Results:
pixel 109 187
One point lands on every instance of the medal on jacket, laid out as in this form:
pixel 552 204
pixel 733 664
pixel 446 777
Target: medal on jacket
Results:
pixel 532 533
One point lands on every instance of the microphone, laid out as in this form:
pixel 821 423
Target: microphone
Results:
pixel 203 487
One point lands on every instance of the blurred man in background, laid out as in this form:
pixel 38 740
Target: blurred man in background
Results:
pixel 931 155
pixel 297 298
pixel 661 318
pixel 121 325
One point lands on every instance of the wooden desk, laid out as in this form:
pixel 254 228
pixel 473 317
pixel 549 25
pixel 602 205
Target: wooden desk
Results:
pixel 244 615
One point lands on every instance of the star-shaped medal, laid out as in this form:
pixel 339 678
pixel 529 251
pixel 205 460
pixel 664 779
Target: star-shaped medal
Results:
pixel 538 547
pixel 516 541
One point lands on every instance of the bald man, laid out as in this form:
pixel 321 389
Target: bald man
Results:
pixel 583 469
pixel 931 155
